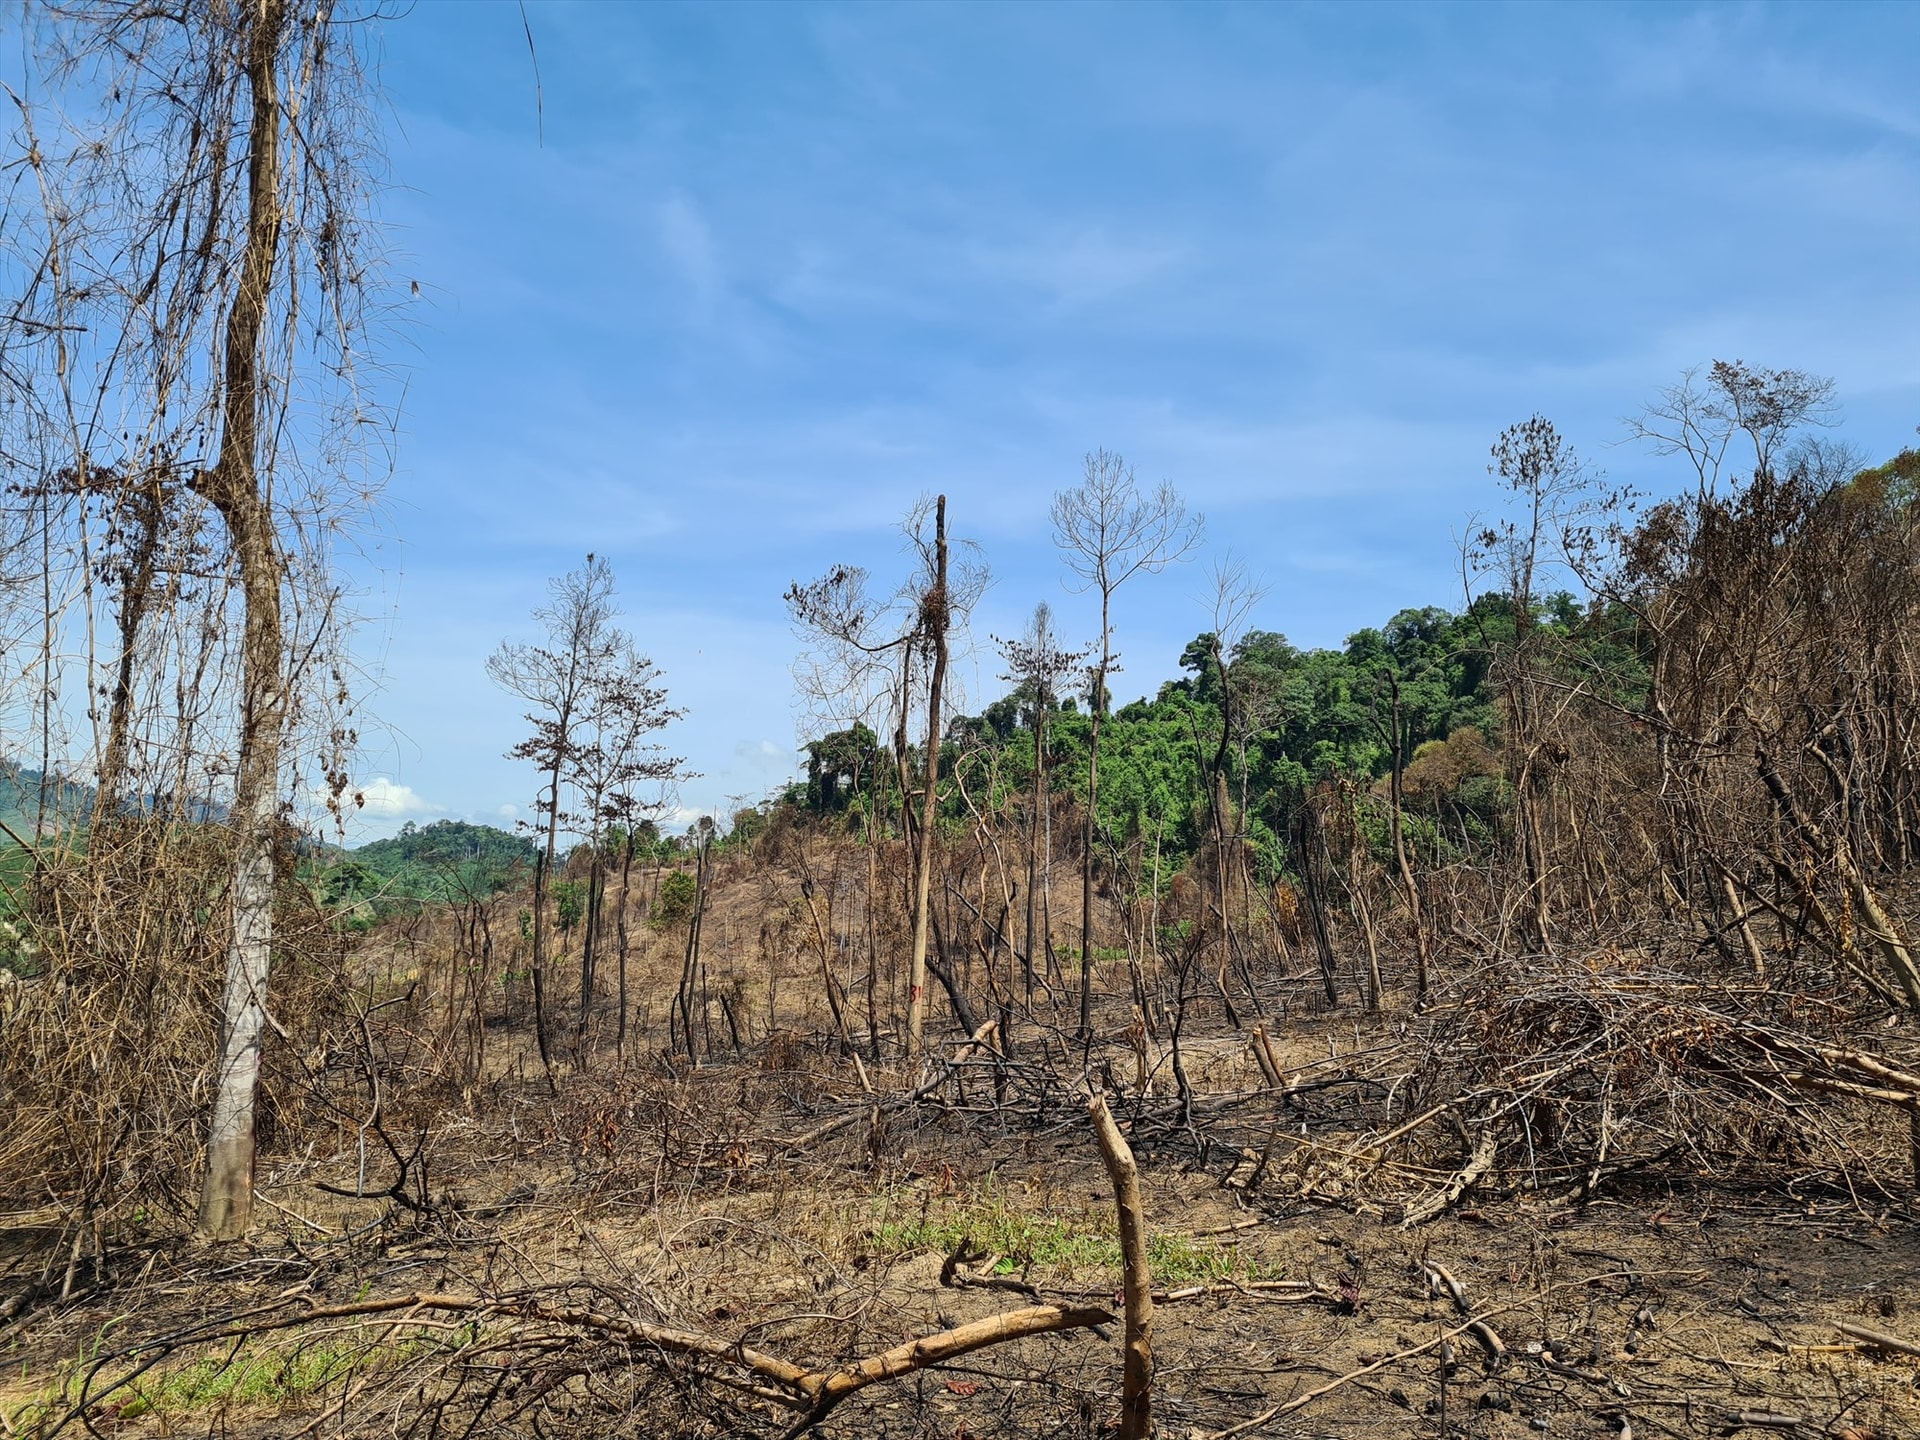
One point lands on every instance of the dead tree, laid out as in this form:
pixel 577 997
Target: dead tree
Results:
pixel 1037 663
pixel 1540 472
pixel 560 679
pixel 858 639
pixel 1410 887
pixel 1109 531
pixel 1136 1393
pixel 192 283
pixel 608 767
pixel 935 620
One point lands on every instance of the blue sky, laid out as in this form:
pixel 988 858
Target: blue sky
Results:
pixel 752 279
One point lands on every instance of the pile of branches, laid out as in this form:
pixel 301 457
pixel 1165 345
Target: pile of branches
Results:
pixel 1561 1076
pixel 526 1361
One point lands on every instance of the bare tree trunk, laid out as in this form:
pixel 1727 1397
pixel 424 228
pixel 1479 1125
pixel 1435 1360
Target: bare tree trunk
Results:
pixel 234 487
pixel 1035 946
pixel 1316 902
pixel 1136 1381
pixel 873 941
pixel 145 499
pixel 1098 702
pixel 589 953
pixel 542 878
pixel 934 615
pixel 690 968
pixel 829 983
pixel 1410 885
pixel 1364 913
pixel 620 925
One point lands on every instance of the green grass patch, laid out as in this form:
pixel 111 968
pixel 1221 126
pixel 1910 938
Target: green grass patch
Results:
pixel 1102 955
pixel 256 1378
pixel 1051 1245
pixel 250 1379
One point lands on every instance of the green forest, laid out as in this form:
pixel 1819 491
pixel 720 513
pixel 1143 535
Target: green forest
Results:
pixel 1293 719
pixel 446 861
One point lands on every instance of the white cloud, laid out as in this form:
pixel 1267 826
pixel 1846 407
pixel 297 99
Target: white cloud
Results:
pixel 508 812
pixel 383 799
pixel 683 817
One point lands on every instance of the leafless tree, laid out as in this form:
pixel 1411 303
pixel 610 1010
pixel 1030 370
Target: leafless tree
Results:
pixel 1110 530
pixel 187 340
pixel 857 635
pixel 560 679
pixel 1235 593
pixel 1549 490
pixel 622 777
pixel 936 620
pixel 1702 418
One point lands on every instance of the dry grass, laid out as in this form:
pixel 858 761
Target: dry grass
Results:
pixel 788 1196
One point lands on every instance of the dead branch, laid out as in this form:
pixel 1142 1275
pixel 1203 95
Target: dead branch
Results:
pixel 1877 1338
pixel 1136 1403
pixel 816 1392
pixel 829 1390
pixel 1478 1163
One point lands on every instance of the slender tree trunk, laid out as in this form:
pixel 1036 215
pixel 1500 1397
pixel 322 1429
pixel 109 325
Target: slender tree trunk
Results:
pixel 1364 913
pixel 1316 903
pixel 148 506
pixel 542 880
pixel 620 927
pixel 234 486
pixel 1098 702
pixel 873 942
pixel 963 1010
pixel 1219 807
pixel 908 844
pixel 934 611
pixel 1408 883
pixel 589 951
pixel 1035 946
pixel 690 968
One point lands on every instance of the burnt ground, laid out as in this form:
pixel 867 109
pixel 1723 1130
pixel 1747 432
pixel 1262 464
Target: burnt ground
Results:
pixel 782 1197
pixel 1678 1310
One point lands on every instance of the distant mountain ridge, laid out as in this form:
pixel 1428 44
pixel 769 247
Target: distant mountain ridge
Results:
pixel 21 807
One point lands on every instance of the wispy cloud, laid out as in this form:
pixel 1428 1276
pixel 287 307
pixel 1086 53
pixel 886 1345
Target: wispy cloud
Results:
pixel 1079 266
pixel 686 239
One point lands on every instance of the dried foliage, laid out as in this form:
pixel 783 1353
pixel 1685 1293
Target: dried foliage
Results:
pixel 104 1042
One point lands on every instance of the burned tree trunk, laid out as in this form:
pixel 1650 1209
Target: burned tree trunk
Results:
pixel 933 619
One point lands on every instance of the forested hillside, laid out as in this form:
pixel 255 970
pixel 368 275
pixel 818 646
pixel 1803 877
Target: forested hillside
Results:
pixel 447 861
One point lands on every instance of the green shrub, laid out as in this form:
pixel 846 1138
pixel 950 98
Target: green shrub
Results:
pixel 674 903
